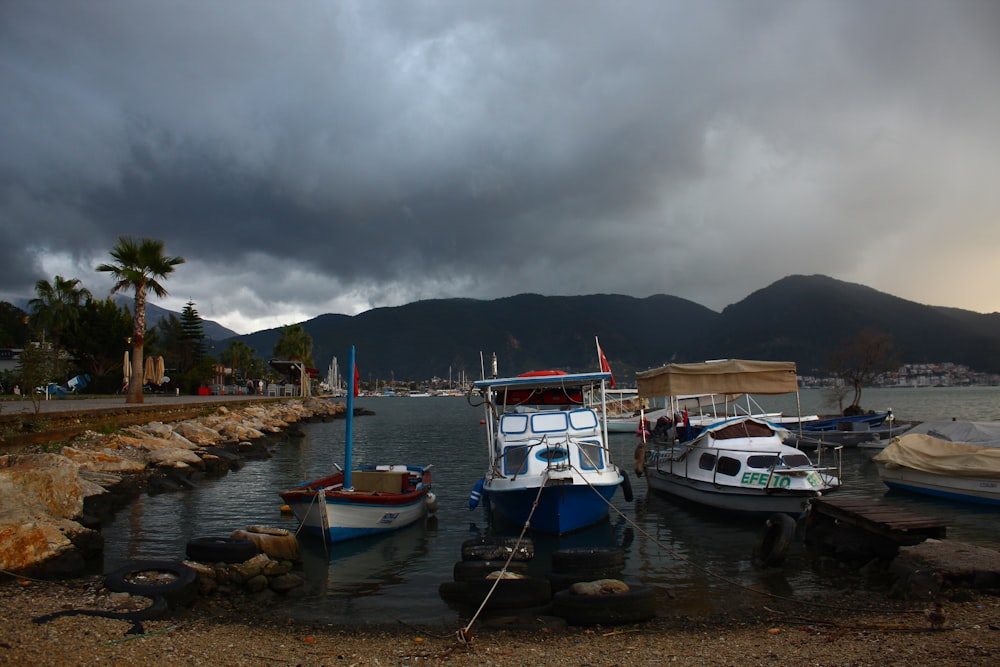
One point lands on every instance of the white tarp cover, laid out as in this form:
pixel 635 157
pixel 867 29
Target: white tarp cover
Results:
pixel 731 376
pixel 984 434
pixel 920 451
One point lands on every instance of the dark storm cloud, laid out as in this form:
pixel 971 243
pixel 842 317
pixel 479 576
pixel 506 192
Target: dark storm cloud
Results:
pixel 312 157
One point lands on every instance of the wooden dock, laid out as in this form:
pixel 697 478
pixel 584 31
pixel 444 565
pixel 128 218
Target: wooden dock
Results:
pixel 894 523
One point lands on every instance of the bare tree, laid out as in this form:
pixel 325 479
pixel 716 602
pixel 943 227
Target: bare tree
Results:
pixel 859 360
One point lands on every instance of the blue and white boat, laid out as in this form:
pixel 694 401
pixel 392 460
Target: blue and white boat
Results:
pixel 548 461
pixel 364 500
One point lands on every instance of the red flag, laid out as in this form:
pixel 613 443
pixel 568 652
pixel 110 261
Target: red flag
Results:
pixel 356 376
pixel 605 366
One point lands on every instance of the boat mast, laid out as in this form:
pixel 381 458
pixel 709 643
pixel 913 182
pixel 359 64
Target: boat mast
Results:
pixel 350 423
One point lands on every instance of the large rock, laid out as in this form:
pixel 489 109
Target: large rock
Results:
pixel 102 461
pixel 42 485
pixel 197 433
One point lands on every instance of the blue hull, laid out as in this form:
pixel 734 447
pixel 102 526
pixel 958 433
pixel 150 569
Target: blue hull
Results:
pixel 561 509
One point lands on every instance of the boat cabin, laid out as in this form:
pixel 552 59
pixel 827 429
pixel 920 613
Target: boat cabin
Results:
pixel 537 440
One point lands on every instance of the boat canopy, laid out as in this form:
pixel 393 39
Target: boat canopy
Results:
pixel 920 451
pixel 729 376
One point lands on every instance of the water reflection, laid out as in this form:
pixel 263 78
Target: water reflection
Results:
pixel 697 561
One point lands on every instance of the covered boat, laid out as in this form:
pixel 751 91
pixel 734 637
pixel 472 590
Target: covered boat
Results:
pixel 948 459
pixel 548 462
pixel 737 464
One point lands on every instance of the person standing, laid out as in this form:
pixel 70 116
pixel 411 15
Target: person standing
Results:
pixel 260 387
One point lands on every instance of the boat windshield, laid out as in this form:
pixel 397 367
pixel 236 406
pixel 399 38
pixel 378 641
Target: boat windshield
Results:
pixel 765 461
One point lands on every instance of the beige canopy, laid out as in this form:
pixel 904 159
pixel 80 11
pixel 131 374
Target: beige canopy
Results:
pixel 941 457
pixel 729 376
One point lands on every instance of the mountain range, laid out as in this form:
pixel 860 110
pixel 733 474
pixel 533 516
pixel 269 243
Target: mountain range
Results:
pixel 798 318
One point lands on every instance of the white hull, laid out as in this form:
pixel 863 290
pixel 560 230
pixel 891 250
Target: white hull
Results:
pixel 740 465
pixel 967 489
pixel 744 501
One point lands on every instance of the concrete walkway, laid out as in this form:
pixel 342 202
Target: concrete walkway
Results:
pixel 83 403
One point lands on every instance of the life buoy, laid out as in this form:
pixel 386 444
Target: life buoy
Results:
pixel 772 544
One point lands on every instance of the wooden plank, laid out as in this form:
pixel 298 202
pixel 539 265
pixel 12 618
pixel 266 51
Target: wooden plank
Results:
pixel 893 522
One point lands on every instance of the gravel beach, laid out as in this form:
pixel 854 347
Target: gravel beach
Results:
pixel 852 629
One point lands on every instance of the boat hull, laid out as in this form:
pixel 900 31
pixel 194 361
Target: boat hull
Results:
pixel 561 509
pixel 325 510
pixel 742 501
pixel 964 489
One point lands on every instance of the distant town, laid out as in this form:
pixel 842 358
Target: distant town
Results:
pixel 945 374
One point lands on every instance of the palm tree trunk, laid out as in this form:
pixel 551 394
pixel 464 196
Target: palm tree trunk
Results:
pixel 138 334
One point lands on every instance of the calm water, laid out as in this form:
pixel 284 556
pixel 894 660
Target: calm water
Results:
pixel 677 550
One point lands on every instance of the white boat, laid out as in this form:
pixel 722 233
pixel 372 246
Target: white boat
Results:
pixel 622 409
pixel 363 500
pixel 737 464
pixel 948 459
pixel 548 462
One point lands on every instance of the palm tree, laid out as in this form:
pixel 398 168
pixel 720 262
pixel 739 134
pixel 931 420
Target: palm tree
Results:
pixel 294 344
pixel 139 265
pixel 57 306
pixel 239 356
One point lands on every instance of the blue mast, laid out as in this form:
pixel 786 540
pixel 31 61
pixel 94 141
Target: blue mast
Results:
pixel 350 420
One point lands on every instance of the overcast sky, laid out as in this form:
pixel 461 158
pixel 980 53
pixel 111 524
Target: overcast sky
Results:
pixel 336 156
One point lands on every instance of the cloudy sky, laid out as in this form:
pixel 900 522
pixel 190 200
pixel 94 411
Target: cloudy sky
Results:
pixel 313 157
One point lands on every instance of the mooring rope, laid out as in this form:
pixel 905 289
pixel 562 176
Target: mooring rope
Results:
pixel 724 578
pixel 463 634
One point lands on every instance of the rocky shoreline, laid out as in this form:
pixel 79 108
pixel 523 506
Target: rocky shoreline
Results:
pixel 52 503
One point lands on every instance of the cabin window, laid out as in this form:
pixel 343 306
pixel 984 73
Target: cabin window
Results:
pixel 583 420
pixel 513 424
pixel 548 422
pixel 728 466
pixel 796 461
pixel 515 460
pixel 551 454
pixel 707 462
pixel 761 461
pixel 591 455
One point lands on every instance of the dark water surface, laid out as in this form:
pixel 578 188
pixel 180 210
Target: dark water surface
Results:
pixel 697 561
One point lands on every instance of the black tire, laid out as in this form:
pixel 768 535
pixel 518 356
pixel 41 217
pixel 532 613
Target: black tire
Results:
pixel 588 559
pixel 626 487
pixel 498 548
pixel 563 580
pixel 157 608
pixel 510 593
pixel 178 589
pixel 465 570
pixel 453 591
pixel 221 549
pixel 772 544
pixel 633 606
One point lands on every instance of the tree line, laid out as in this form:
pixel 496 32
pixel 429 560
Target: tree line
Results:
pixel 67 331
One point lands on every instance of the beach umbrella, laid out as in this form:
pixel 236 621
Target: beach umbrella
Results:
pixel 127 366
pixel 158 370
pixel 148 370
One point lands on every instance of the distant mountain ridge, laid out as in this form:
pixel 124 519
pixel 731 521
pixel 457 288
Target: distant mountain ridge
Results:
pixel 798 318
